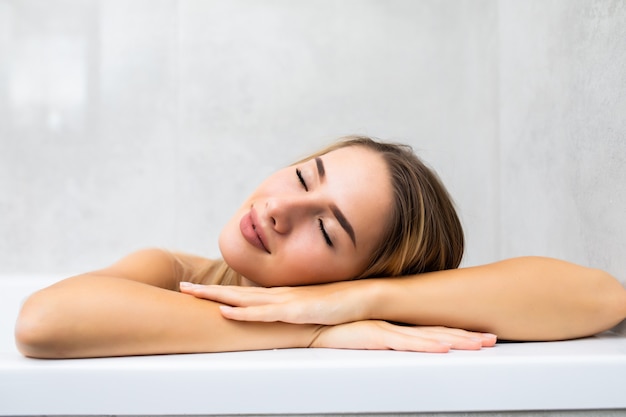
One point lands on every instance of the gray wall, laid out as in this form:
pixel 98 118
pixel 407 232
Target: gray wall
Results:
pixel 126 124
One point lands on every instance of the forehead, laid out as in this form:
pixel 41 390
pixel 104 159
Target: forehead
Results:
pixel 359 182
pixel 356 159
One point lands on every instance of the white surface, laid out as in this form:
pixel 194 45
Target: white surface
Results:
pixel 582 374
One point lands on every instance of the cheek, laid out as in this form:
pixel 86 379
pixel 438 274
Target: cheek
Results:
pixel 229 247
pixel 233 247
pixel 313 264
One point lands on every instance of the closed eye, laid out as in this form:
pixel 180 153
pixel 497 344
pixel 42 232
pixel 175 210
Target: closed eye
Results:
pixel 301 179
pixel 325 234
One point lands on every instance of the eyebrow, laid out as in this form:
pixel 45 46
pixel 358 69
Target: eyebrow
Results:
pixel 320 168
pixel 343 222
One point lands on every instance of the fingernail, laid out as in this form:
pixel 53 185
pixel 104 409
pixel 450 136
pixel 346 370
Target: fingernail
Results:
pixel 490 335
pixel 186 284
pixel 226 308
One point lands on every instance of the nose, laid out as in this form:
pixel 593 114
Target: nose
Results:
pixel 285 212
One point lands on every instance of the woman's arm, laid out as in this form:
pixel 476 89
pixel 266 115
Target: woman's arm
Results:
pixel 131 309
pixel 529 298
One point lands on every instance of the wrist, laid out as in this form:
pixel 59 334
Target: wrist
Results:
pixel 388 299
pixel 372 298
pixel 315 340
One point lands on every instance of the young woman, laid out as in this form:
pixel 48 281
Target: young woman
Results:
pixel 359 209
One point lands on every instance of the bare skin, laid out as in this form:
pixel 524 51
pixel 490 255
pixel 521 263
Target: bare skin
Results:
pixel 527 299
pixel 311 224
pixel 317 221
pixel 133 308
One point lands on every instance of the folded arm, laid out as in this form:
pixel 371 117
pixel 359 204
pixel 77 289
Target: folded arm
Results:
pixel 118 312
pixel 131 308
pixel 528 298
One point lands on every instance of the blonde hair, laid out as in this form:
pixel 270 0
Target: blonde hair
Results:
pixel 423 232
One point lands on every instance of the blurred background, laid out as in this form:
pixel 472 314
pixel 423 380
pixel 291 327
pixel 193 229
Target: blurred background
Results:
pixel 131 124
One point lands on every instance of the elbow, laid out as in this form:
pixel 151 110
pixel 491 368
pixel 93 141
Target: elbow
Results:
pixel 620 304
pixel 612 301
pixel 36 336
pixel 27 338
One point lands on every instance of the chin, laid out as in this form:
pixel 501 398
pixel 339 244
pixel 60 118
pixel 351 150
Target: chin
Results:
pixel 235 258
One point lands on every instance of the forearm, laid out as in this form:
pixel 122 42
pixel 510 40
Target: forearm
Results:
pixel 517 299
pixel 90 316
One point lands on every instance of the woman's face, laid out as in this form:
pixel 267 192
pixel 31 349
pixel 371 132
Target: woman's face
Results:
pixel 315 222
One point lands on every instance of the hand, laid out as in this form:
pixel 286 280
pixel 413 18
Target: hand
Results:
pixel 381 335
pixel 329 304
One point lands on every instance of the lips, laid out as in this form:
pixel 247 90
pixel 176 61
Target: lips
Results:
pixel 251 231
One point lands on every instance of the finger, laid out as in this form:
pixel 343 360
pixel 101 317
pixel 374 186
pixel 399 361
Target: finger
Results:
pixel 285 312
pixel 460 340
pixel 266 313
pixel 413 343
pixel 489 339
pixel 232 295
pixel 457 332
pixel 372 335
pixel 486 339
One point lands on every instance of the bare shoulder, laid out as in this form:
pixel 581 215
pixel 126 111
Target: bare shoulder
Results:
pixel 158 267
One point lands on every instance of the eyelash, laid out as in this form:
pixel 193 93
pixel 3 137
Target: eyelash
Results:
pixel 301 178
pixel 326 237
pixel 320 222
